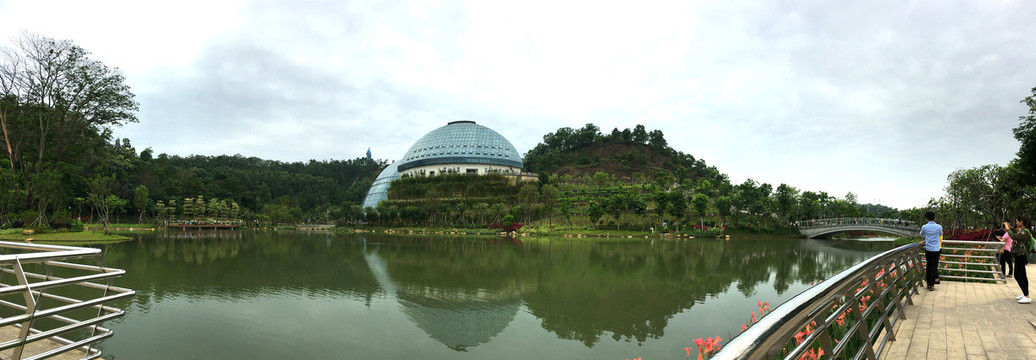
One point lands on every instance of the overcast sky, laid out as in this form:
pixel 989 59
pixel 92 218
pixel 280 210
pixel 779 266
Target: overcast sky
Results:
pixel 880 98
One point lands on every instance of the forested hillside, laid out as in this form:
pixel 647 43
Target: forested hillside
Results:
pixel 624 154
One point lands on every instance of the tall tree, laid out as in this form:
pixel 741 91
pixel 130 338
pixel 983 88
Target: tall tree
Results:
pixel 98 196
pixel 142 201
pixel 700 202
pixel 784 201
pixel 677 206
pixel 594 211
pixel 549 198
pixel 54 100
pixel 1026 134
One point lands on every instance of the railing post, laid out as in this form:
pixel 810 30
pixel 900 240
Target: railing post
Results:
pixel 30 308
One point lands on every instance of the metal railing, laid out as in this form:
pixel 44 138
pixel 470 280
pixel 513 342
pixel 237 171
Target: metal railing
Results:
pixel 893 223
pixel 59 311
pixel 970 260
pixel 851 315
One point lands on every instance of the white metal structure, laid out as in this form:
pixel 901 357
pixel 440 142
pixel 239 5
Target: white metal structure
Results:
pixel 59 309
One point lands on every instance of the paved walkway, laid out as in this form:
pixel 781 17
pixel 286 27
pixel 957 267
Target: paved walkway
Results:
pixel 967 321
pixel 11 332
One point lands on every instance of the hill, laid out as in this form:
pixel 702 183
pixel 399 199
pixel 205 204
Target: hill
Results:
pixel 623 154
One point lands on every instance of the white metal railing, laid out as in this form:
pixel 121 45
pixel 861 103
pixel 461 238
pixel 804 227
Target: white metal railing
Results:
pixel 849 316
pixel 893 223
pixel 59 311
pixel 970 260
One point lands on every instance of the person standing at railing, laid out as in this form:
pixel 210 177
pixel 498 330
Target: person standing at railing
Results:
pixel 1006 258
pixel 931 233
pixel 1022 243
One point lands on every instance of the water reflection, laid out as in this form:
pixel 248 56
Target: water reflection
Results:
pixel 459 316
pixel 464 293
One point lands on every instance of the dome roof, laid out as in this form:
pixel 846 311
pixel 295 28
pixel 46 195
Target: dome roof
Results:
pixel 379 190
pixel 461 142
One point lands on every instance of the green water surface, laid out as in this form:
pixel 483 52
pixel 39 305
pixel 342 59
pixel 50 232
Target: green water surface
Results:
pixel 273 295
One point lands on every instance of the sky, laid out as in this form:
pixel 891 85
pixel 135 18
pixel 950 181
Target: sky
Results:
pixel 883 99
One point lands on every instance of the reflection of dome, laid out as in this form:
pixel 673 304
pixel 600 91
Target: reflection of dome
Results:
pixel 459 147
pixel 459 318
pixel 379 190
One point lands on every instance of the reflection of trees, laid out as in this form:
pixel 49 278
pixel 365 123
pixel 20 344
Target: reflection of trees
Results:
pixel 632 290
pixel 582 289
pixel 463 292
pixel 232 267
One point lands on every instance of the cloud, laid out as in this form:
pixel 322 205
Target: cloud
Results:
pixel 883 99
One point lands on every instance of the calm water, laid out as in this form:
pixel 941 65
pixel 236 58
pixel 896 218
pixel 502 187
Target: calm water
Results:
pixel 267 295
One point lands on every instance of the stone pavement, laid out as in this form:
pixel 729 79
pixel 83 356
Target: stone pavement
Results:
pixel 967 321
pixel 11 332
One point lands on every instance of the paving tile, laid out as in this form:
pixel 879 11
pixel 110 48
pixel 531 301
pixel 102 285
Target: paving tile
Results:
pixel 966 321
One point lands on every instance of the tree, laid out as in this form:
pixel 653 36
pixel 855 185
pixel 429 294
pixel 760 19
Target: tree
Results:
pixel 161 213
pixel 54 101
pixel 640 135
pixel 602 179
pixel 1026 134
pixel 141 200
pixel 594 211
pixel 528 196
pixel 200 207
pixel 99 192
pixel 699 203
pixel 614 206
pixel 549 198
pixel 656 140
pixel 677 206
pixel 784 201
pixel 723 207
pixel 661 199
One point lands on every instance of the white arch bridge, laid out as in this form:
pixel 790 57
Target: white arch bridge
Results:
pixel 821 228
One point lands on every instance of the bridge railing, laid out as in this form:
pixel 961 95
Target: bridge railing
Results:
pixel 897 223
pixel 849 316
pixel 970 260
pixel 59 310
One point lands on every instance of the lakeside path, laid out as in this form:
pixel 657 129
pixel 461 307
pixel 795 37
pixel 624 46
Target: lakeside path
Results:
pixel 967 321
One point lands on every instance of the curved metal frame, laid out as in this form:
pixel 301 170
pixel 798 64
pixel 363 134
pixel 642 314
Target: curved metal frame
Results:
pixel 39 300
pixel 900 269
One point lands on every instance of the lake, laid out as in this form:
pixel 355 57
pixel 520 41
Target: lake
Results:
pixel 274 295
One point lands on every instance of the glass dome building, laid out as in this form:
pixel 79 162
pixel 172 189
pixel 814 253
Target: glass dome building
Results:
pixel 379 190
pixel 459 147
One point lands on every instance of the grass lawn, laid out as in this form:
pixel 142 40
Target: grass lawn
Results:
pixel 62 237
pixel 120 225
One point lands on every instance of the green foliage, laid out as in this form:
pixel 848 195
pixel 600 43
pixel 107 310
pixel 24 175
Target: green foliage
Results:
pixel 56 108
pixel 621 154
pixel 1025 133
pixel 984 197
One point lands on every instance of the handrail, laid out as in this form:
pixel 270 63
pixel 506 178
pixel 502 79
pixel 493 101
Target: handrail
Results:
pixel 844 317
pixel 893 223
pixel 55 323
pixel 972 260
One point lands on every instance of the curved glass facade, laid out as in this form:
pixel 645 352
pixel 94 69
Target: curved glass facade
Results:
pixel 379 190
pixel 457 143
pixel 461 142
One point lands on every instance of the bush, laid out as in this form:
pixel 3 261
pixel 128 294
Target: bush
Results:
pixel 713 232
pixel 61 220
pixel 76 226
